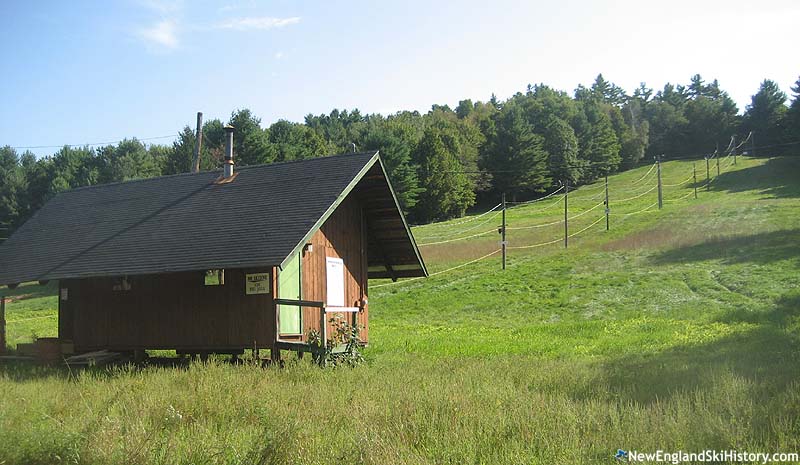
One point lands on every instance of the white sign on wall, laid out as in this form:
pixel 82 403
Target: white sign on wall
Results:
pixel 257 283
pixel 334 270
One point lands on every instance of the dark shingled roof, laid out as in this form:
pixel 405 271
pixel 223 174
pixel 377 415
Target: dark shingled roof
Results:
pixel 188 222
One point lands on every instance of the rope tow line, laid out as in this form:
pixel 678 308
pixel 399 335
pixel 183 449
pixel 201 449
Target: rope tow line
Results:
pixel 680 198
pixel 691 176
pixel 652 167
pixel 527 202
pixel 549 206
pixel 462 222
pixel 636 196
pixel 645 209
pixel 471 228
pixel 439 272
pixel 560 238
pixel 459 238
pixel 587 211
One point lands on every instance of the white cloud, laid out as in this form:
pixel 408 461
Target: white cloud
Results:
pixel 162 35
pixel 163 7
pixel 257 22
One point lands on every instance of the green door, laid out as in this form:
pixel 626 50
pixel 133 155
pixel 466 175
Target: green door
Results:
pixel 289 287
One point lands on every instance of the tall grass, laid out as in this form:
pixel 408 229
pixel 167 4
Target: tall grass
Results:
pixel 450 410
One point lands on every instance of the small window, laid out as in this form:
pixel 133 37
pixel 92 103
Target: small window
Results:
pixel 121 284
pixel 214 277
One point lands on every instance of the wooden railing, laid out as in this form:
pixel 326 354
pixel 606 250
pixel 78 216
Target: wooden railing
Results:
pixel 324 310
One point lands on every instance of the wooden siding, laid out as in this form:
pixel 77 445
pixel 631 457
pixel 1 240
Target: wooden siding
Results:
pixel 342 236
pixel 166 311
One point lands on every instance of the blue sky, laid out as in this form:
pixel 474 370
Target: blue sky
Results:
pixel 81 72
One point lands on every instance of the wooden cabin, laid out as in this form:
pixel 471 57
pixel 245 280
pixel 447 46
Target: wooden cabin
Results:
pixel 217 263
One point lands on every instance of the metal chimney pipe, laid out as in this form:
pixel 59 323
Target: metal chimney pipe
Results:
pixel 198 144
pixel 228 163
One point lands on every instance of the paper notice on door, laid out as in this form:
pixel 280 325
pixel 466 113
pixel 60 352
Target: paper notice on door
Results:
pixel 334 269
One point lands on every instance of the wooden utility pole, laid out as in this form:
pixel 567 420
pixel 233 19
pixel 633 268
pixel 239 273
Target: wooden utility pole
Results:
pixel 608 209
pixel 734 150
pixel 566 202
pixel 708 175
pixel 660 193
pixel 198 143
pixel 717 166
pixel 694 176
pixel 503 242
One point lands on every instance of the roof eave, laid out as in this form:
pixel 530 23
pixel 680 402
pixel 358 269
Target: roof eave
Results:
pixel 340 199
pixel 322 219
pixel 403 218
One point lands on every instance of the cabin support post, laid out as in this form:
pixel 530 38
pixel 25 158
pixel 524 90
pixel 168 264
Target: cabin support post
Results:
pixel 2 325
pixel 323 328
pixel 362 263
pixel 274 351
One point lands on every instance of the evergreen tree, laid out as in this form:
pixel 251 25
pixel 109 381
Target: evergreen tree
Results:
pixel 765 115
pixel 517 158
pixel 792 119
pixel 464 108
pixel 463 138
pixel 338 130
pixel 251 143
pixel 12 187
pixel 607 92
pixel 561 144
pixel 447 189
pixel 709 122
pixel 668 123
pixel 643 94
pixel 75 167
pixel 636 140
pixel 180 158
pixel 283 136
pixel 396 156
pixel 128 160
pixel 696 87
pixel 38 174
pixel 600 147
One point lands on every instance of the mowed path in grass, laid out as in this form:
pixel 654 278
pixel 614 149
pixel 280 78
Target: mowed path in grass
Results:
pixel 678 329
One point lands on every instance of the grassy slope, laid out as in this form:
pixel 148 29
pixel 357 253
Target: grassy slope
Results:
pixel 677 329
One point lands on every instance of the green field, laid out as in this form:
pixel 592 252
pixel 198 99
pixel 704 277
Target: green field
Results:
pixel 678 329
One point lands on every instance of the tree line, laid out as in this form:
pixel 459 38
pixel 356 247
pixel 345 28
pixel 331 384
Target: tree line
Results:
pixel 443 162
